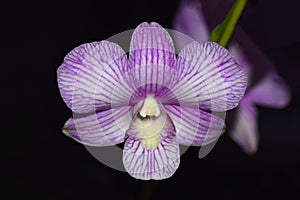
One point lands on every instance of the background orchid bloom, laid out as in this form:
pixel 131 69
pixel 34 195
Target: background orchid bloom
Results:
pixel 265 87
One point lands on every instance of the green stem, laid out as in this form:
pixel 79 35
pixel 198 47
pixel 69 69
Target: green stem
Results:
pixel 223 32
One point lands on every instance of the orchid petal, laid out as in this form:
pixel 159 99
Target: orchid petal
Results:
pixel 99 129
pixel 245 130
pixel 267 88
pixel 270 92
pixel 194 126
pixel 190 20
pixel 158 163
pixel 195 20
pixel 210 77
pixel 151 59
pixel 89 77
pixel 261 71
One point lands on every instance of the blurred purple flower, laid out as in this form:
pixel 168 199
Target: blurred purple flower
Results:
pixel 161 94
pixel 197 18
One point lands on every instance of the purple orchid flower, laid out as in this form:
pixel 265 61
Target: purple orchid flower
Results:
pixel 265 88
pixel 152 101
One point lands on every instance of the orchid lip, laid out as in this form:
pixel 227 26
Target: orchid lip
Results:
pixel 149 123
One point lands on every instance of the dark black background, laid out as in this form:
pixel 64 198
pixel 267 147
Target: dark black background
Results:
pixel 38 161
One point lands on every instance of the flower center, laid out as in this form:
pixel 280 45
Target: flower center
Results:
pixel 150 107
pixel 150 122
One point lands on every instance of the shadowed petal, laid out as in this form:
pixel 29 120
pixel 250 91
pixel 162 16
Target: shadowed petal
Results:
pixel 270 92
pixel 190 21
pixel 267 88
pixel 89 74
pixel 210 77
pixel 99 129
pixel 159 163
pixel 152 59
pixel 245 131
pixel 194 126
pixel 197 19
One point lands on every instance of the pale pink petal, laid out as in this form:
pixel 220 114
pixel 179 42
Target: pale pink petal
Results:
pixel 152 60
pixel 190 20
pixel 145 164
pixel 245 130
pixel 209 77
pixel 99 129
pixel 90 77
pixel 194 126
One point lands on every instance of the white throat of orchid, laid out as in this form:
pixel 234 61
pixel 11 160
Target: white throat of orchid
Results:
pixel 150 107
pixel 149 123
